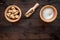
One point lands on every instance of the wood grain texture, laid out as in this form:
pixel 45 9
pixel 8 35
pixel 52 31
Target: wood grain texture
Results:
pixel 29 28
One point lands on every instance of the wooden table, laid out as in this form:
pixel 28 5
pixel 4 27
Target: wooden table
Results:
pixel 29 28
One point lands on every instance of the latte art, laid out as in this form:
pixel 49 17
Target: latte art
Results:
pixel 48 13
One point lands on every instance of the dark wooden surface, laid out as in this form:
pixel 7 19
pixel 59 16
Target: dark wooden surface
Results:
pixel 29 28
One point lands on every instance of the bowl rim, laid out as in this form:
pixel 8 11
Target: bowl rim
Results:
pixel 10 20
pixel 55 13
